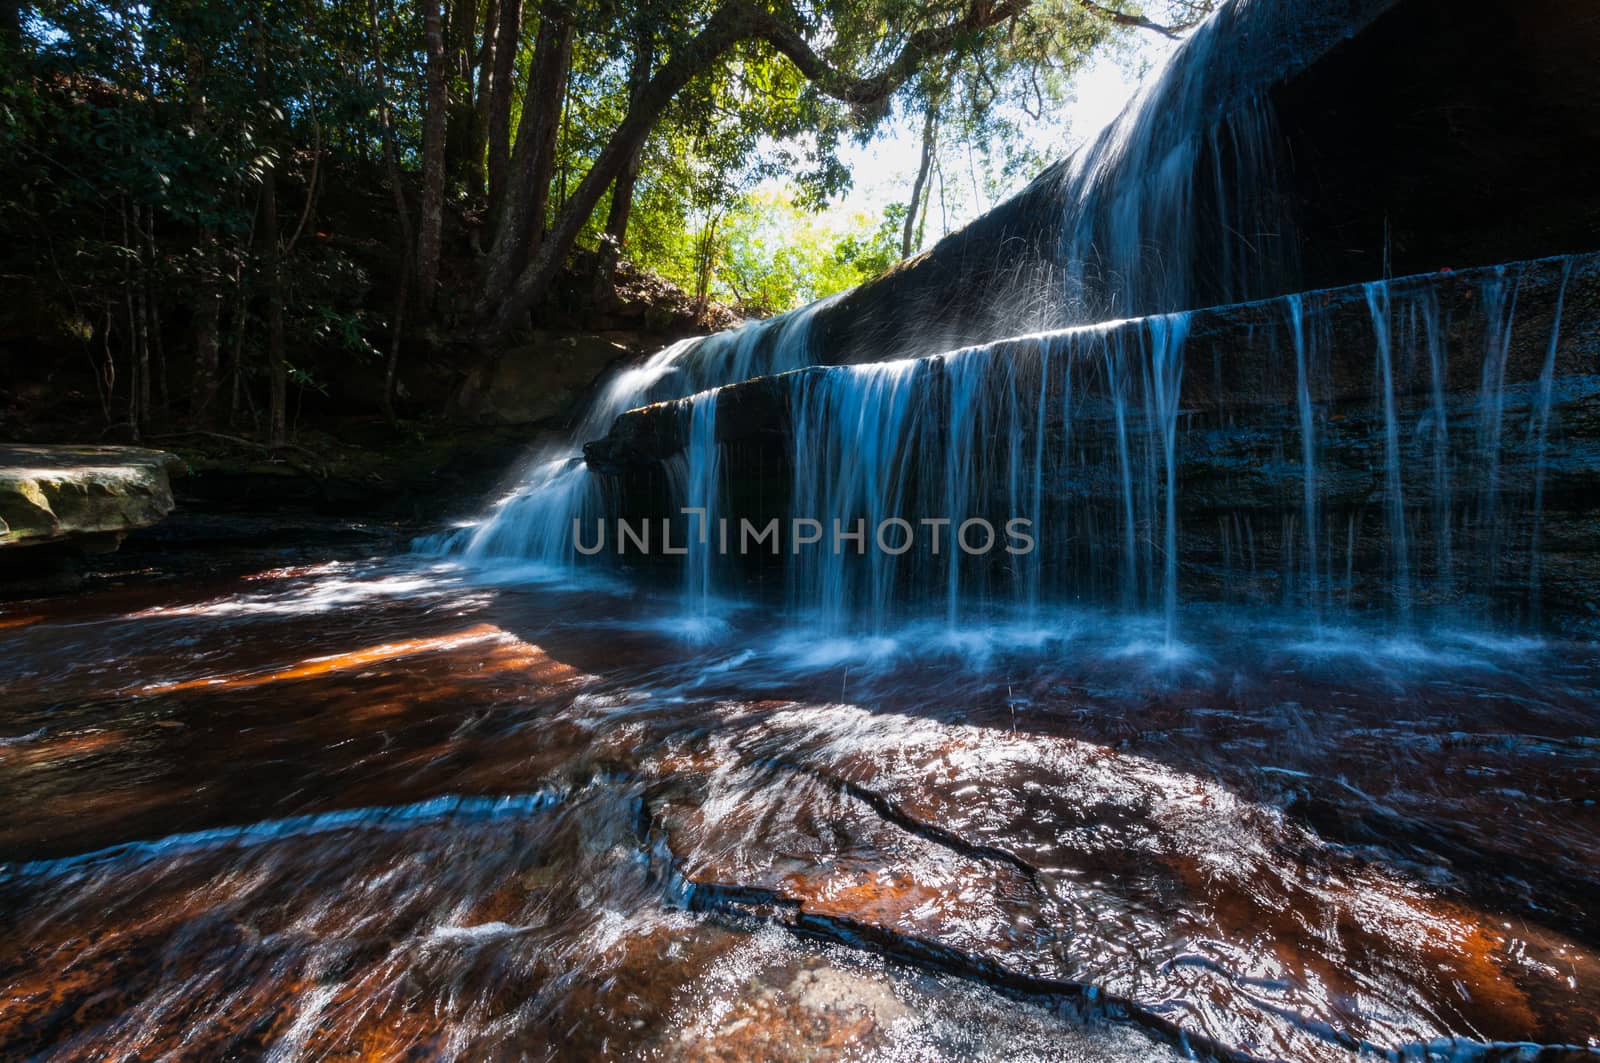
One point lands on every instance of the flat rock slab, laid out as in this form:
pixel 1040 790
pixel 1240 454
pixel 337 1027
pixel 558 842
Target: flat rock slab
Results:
pixel 89 494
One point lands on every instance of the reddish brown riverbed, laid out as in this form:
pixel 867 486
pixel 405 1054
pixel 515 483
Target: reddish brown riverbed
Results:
pixel 381 810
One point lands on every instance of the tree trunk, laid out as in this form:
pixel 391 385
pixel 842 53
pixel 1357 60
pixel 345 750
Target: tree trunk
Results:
pixel 241 318
pixel 622 192
pixel 511 294
pixel 278 403
pixel 476 175
pixel 207 326
pixel 705 265
pixel 277 366
pixel 508 40
pixel 141 305
pixel 207 344
pixel 930 134
pixel 564 118
pixel 461 37
pixel 505 302
pixel 550 82
pixel 391 164
pixel 519 224
pixel 463 148
pixel 622 200
pixel 431 220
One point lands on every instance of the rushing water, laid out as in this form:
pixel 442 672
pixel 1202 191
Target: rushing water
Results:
pixel 1142 481
pixel 1260 753
pixel 986 434
pixel 389 808
pixel 1178 203
pixel 534 521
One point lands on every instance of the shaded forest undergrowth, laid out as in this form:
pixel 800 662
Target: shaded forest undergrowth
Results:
pixel 461 412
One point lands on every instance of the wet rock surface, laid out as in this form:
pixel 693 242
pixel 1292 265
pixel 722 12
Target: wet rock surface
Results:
pixel 457 817
pixel 63 507
pixel 1488 439
pixel 542 379
pixel 95 495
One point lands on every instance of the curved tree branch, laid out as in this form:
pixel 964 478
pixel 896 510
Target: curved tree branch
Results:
pixel 510 294
pixel 874 91
pixel 503 307
pixel 1122 18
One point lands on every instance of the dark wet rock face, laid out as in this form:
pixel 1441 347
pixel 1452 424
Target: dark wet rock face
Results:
pixel 1449 418
pixel 1447 134
pixel 1304 146
pixel 544 379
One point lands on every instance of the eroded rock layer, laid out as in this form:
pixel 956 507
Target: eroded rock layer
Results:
pixel 1418 443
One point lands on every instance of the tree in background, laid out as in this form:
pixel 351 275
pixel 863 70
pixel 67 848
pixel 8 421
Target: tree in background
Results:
pixel 208 201
pixel 148 150
pixel 778 255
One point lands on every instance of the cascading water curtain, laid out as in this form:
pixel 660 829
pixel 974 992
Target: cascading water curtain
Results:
pixel 976 482
pixel 534 522
pixel 1441 472
pixel 1378 458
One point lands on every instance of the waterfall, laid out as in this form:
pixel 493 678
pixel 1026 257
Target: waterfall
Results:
pixel 1426 320
pixel 1143 487
pixel 1189 166
pixel 1393 481
pixel 1032 561
pixel 1308 445
pixel 965 377
pixel 1116 460
pixel 1181 201
pixel 1547 376
pixel 1500 305
pixel 534 522
pixel 1166 336
pixel 1130 530
pixel 903 471
pixel 1139 486
pixel 865 415
pixel 703 493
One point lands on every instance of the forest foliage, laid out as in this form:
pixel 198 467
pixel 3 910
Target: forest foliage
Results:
pixel 205 201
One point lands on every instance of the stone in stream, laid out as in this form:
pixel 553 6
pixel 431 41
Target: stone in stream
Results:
pixel 58 503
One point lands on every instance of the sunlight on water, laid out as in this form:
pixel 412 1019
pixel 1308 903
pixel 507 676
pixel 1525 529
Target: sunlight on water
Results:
pixel 1278 744
pixel 774 824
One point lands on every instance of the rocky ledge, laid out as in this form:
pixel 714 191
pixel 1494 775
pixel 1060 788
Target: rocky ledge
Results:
pixel 1454 437
pixel 82 497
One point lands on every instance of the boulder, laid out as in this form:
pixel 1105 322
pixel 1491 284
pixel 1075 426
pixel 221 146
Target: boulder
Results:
pixel 85 496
